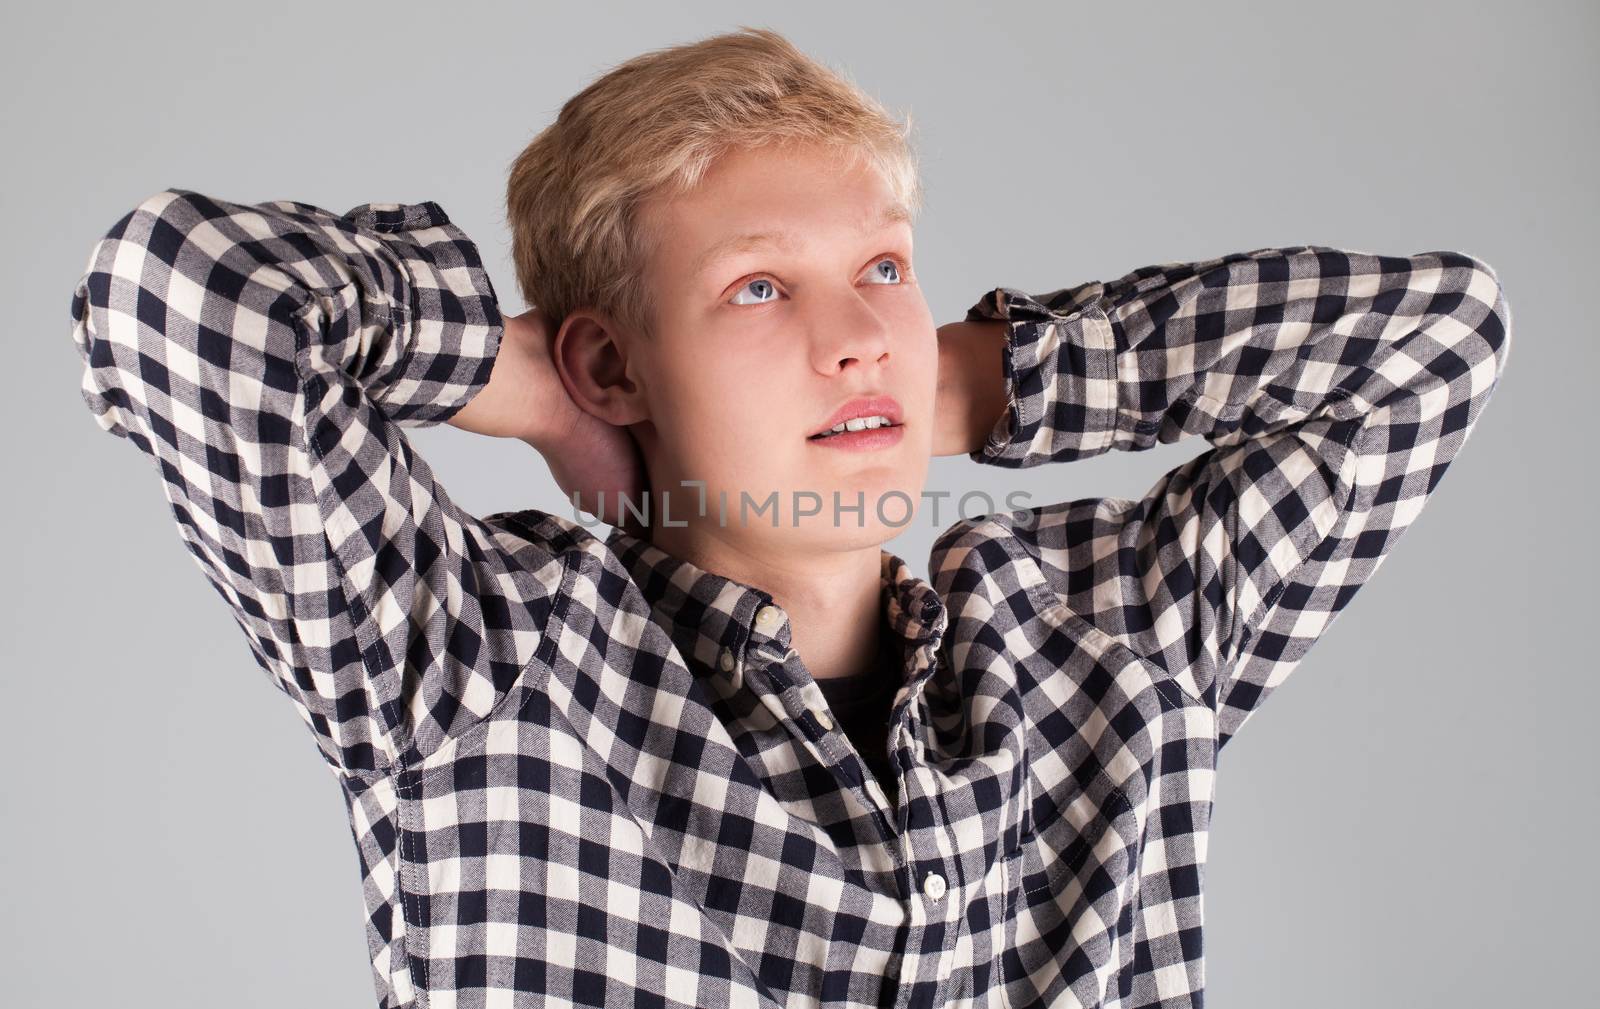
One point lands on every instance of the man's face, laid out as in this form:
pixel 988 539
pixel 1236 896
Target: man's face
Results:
pixel 758 344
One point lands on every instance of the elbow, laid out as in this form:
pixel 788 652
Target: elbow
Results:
pixel 1496 325
pixel 157 227
pixel 1483 306
pixel 161 224
pixel 123 294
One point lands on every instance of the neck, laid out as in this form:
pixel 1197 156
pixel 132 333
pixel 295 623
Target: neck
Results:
pixel 834 599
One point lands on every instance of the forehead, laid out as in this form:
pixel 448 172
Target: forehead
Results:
pixel 780 197
pixel 787 239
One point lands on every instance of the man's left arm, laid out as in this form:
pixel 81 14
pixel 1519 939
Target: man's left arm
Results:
pixel 1334 387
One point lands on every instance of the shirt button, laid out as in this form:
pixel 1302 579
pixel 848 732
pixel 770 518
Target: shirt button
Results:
pixel 768 616
pixel 726 660
pixel 823 719
pixel 933 886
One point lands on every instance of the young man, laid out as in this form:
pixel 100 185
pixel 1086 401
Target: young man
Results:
pixel 732 762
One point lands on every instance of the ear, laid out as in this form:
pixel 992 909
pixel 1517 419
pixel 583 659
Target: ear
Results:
pixel 591 353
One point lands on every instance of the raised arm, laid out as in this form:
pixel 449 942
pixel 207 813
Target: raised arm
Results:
pixel 268 357
pixel 1335 388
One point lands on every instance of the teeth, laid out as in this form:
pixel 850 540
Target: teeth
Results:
pixel 859 424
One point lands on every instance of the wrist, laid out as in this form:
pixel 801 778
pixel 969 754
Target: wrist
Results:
pixel 516 402
pixel 971 397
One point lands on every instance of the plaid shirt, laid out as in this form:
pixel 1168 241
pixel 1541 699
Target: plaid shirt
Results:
pixel 581 770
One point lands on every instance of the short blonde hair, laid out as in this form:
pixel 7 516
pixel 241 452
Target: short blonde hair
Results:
pixel 654 125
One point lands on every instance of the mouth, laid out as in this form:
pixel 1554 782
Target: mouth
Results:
pixel 860 416
pixel 854 433
pixel 868 438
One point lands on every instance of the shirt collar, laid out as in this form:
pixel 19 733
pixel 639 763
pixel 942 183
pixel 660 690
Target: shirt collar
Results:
pixel 705 612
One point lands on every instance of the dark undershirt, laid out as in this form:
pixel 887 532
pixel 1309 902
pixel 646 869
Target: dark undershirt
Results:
pixel 860 704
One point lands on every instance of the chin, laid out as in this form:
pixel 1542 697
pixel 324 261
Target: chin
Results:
pixel 889 507
pixel 818 534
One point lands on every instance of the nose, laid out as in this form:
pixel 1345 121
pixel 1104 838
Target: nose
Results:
pixel 847 329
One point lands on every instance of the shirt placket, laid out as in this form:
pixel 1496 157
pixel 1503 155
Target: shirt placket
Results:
pixel 924 851
pixel 933 889
pixel 771 669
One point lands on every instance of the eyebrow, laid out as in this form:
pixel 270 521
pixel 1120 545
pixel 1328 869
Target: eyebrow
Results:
pixel 894 213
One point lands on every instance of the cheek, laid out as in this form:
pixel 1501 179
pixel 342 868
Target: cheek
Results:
pixel 919 368
pixel 730 428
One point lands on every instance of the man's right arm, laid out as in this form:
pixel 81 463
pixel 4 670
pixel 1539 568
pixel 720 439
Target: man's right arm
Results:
pixel 268 357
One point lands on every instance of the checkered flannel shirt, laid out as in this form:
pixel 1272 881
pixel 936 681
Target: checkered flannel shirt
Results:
pixel 580 770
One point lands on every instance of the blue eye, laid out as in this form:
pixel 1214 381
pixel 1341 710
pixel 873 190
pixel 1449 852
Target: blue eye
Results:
pixel 760 284
pixel 893 276
pixel 886 270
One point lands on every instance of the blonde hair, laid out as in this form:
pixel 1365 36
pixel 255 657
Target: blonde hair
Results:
pixel 653 125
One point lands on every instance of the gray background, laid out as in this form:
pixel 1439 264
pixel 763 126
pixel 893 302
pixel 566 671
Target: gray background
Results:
pixel 1410 820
